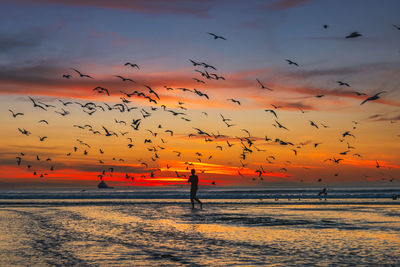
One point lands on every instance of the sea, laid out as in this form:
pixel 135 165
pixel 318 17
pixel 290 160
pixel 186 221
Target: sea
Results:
pixel 235 227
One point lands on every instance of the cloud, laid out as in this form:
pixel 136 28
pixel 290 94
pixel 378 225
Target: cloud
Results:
pixel 14 42
pixel 191 7
pixel 381 117
pixel 286 4
pixel 292 90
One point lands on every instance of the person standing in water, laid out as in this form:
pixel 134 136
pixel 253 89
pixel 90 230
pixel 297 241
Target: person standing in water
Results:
pixel 194 180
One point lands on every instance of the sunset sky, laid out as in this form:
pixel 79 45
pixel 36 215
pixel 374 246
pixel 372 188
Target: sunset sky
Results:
pixel 42 40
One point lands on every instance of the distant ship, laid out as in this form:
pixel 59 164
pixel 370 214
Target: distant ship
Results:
pixel 102 184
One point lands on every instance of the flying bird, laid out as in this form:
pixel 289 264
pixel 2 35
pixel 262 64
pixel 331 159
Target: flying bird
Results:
pixel 125 79
pixel 81 74
pixel 132 65
pixel 35 105
pixel 262 85
pixel 100 90
pixel 292 62
pixel 281 126
pixel 313 124
pixel 353 35
pixel 272 111
pixel 15 114
pixel 216 36
pixel 343 83
pixel 234 101
pixel 151 91
pixel 374 97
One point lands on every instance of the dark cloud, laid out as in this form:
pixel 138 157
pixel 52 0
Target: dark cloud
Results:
pixel 286 4
pixel 189 7
pixel 16 42
pixel 356 69
pixel 380 117
pixel 286 105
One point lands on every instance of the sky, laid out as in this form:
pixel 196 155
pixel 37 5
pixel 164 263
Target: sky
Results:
pixel 236 145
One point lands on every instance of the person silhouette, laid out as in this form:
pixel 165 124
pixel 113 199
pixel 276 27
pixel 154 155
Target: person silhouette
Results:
pixel 194 180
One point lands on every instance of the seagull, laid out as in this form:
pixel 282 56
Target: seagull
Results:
pixel 343 83
pixel 15 114
pixel 353 35
pixel 272 111
pixel 24 131
pixel 377 165
pixel 197 92
pixel 64 113
pixel 205 65
pixel 292 62
pixel 201 132
pixel 125 79
pixel 65 103
pixel 151 91
pixel 313 124
pixel 216 76
pixel 281 126
pixel 100 90
pixel 195 63
pixel 82 75
pixel 177 175
pixel 234 101
pixel 36 105
pixel 216 36
pixel 347 133
pixel 374 97
pixel 169 131
pixel 107 132
pixel 262 86
pixel 199 81
pixel 358 93
pixel 66 76
pixel 132 65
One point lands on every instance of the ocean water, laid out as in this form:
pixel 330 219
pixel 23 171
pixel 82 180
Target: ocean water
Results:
pixel 69 228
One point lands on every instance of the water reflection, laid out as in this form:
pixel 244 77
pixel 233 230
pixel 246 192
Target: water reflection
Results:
pixel 221 234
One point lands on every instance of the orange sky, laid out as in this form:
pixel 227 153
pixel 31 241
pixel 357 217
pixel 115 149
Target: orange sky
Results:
pixel 34 66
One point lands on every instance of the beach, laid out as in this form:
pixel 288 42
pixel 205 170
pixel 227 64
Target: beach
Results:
pixel 227 232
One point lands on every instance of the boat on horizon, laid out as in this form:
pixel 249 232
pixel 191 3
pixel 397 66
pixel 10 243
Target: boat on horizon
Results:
pixel 102 185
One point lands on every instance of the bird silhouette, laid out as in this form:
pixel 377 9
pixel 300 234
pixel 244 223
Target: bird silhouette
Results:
pixel 16 114
pixel 100 90
pixel 262 85
pixel 132 65
pixel 272 111
pixel 343 83
pixel 292 62
pixel 81 74
pixel 35 105
pixel 353 35
pixel 216 36
pixel 234 101
pixel 374 97
pixel 125 79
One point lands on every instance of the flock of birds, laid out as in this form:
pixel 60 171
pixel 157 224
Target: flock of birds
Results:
pixel 156 140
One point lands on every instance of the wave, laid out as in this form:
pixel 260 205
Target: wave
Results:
pixel 264 194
